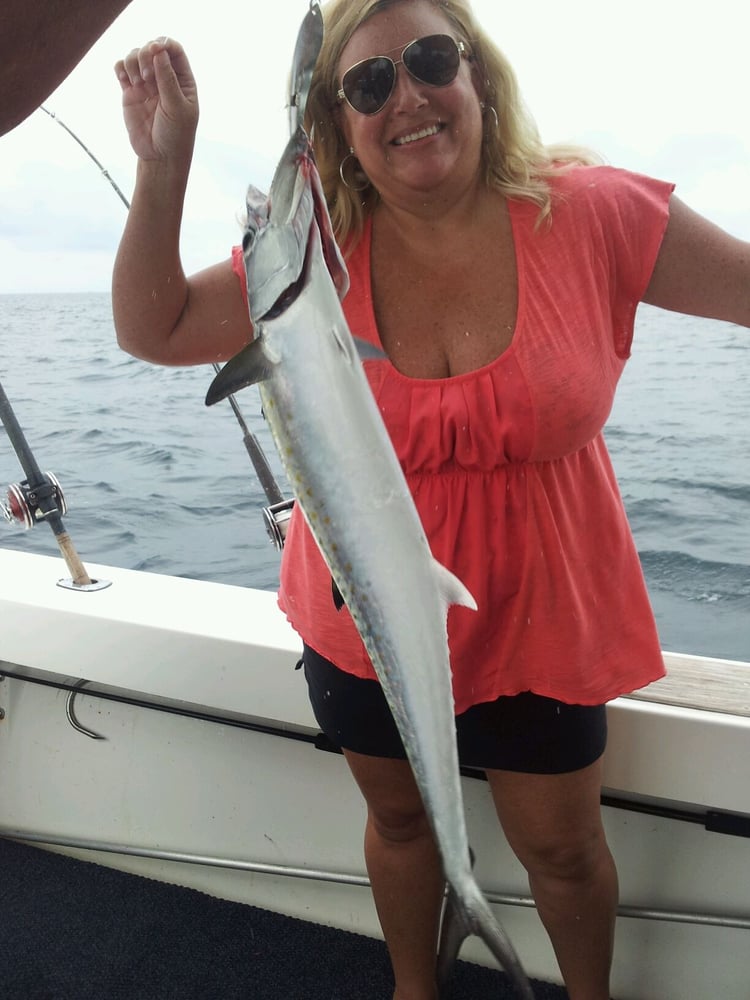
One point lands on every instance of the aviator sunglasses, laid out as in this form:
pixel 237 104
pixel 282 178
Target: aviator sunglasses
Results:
pixel 367 85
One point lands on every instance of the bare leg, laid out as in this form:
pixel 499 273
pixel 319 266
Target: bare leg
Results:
pixel 404 869
pixel 553 823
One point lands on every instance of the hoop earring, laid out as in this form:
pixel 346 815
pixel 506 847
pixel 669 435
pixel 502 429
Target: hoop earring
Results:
pixel 351 156
pixel 489 107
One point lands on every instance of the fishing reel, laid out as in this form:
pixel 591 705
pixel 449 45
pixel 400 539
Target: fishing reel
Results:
pixel 22 503
pixel 276 518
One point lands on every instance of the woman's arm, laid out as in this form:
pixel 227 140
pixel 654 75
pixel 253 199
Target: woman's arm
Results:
pixel 160 315
pixel 701 270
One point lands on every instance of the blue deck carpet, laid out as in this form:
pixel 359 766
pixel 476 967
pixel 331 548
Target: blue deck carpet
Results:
pixel 70 930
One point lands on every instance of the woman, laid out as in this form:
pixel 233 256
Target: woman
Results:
pixel 501 279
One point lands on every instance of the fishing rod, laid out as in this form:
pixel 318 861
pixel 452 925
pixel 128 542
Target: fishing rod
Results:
pixel 276 515
pixel 40 498
pixel 88 152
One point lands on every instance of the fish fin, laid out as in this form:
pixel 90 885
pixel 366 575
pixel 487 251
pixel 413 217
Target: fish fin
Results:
pixel 451 588
pixel 252 364
pixel 363 350
pixel 484 925
pixel 345 342
pixel 452 935
pixel 338 600
pixel 368 351
pixel 468 913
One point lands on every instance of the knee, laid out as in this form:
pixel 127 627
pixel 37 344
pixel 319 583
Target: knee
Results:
pixel 575 857
pixel 395 813
pixel 398 823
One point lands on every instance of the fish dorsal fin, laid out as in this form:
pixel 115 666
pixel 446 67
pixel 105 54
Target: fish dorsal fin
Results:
pixel 451 588
pixel 253 364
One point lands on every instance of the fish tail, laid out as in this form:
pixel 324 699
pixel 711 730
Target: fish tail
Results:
pixel 467 914
pixel 452 935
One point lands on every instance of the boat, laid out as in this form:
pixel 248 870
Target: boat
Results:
pixel 157 725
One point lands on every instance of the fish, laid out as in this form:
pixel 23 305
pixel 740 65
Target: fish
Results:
pixel 349 485
pixel 306 52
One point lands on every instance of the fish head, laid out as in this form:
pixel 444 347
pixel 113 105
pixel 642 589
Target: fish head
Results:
pixel 278 233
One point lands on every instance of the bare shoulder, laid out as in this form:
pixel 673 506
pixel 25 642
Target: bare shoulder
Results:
pixel 701 269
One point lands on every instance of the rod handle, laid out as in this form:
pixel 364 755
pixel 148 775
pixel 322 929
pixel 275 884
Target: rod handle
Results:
pixel 75 566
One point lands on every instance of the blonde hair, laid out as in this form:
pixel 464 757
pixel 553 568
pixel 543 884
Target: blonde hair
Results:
pixel 514 159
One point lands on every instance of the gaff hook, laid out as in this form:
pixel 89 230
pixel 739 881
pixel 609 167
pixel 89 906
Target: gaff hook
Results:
pixel 71 716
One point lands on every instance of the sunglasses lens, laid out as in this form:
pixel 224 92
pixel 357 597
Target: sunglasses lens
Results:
pixel 368 85
pixel 433 60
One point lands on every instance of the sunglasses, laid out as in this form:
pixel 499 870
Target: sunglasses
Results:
pixel 367 85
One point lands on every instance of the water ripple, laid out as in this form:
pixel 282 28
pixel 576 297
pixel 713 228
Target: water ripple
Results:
pixel 156 481
pixel 697 579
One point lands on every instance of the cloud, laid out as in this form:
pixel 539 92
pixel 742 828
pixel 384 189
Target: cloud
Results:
pixel 60 225
pixel 53 270
pixel 700 153
pixel 48 206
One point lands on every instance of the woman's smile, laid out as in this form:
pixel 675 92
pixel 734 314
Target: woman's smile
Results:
pixel 422 133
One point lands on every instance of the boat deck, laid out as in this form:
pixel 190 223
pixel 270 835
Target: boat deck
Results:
pixel 71 930
pixel 703 684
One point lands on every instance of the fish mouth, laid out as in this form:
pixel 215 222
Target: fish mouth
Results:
pixel 421 133
pixel 294 289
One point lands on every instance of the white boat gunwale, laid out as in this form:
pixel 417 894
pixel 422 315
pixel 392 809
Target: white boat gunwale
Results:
pixel 166 781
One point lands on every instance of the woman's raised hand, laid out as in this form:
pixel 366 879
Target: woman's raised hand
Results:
pixel 159 100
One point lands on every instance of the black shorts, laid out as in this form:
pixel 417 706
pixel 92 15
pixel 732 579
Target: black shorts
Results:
pixel 525 732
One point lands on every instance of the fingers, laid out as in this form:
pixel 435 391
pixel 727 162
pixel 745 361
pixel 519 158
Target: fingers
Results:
pixel 159 100
pixel 172 75
pixel 139 67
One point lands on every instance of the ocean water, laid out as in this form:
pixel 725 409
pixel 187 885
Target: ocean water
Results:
pixel 156 481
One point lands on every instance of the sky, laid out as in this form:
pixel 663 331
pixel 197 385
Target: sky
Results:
pixel 660 87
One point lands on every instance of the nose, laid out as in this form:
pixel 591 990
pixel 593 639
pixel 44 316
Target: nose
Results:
pixel 408 92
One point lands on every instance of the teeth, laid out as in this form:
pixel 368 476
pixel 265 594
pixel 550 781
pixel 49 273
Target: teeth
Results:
pixel 422 134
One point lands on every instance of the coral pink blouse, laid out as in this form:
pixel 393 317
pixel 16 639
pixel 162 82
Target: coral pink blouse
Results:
pixel 508 466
